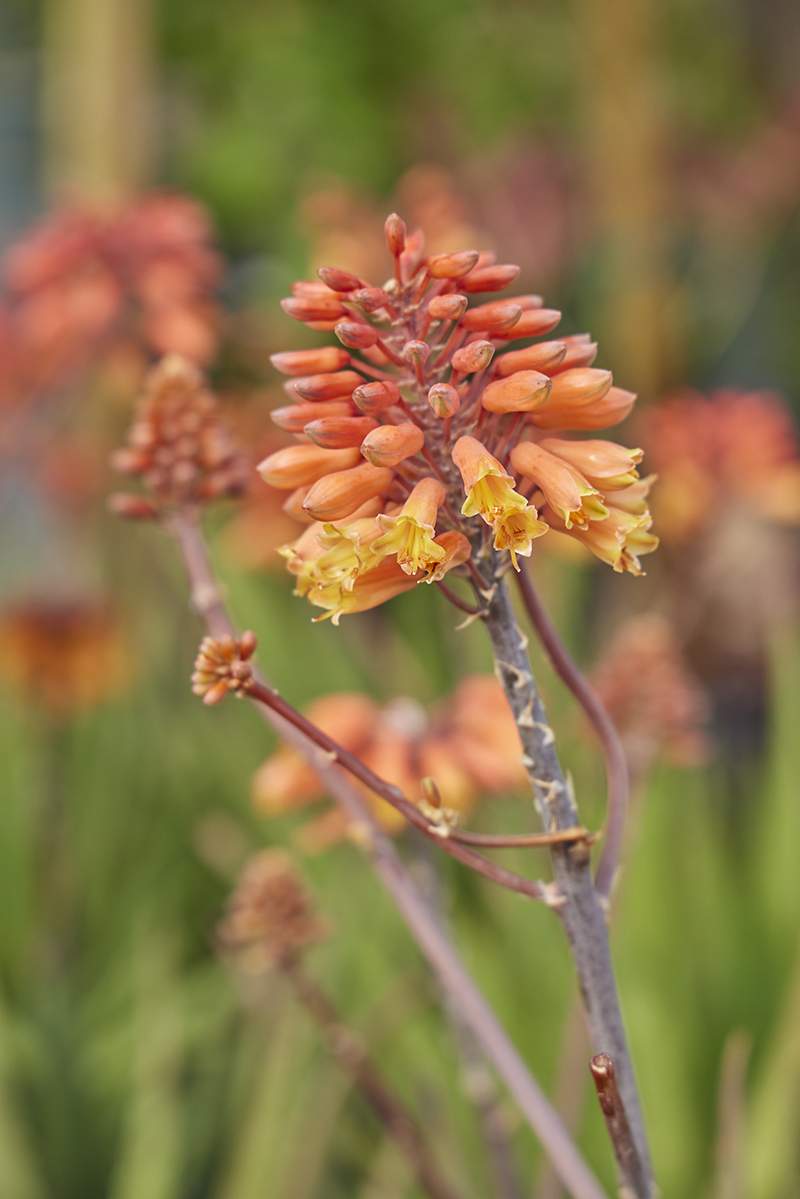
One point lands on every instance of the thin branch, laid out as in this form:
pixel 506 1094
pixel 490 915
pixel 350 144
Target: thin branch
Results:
pixel 616 765
pixel 440 834
pixel 353 1058
pixel 632 1171
pixel 440 952
pixel 470 609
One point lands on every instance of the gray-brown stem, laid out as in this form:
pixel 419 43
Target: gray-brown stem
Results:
pixel 440 952
pixel 580 908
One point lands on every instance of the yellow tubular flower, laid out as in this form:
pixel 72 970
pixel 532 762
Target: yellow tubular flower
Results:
pixel 566 490
pixel 491 494
pixel 410 533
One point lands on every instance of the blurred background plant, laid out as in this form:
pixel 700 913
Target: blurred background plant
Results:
pixel 642 162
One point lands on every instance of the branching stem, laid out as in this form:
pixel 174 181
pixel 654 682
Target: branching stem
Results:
pixel 614 754
pixel 439 950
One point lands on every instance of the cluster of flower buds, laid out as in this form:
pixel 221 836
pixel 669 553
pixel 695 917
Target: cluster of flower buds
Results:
pixel 657 706
pixel 468 747
pixel 270 916
pixel 712 451
pixel 223 665
pixel 74 283
pixel 178 445
pixel 424 439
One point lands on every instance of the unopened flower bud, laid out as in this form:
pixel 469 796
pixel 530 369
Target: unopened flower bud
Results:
pixel 328 386
pixel 528 301
pixel 299 464
pixel 581 351
pixel 132 507
pixel 338 280
pixel 310 287
pixel 599 413
pixel 475 356
pixel 355 335
pixel 523 391
pixel 293 506
pixel 313 308
pixel 376 397
pixel 339 495
pixel 310 362
pixel 390 444
pixel 452 266
pixel 581 385
pixel 339 432
pixel 543 356
pixel 444 400
pixel 129 461
pixel 533 322
pixel 489 278
pixel 371 299
pixel 395 230
pixel 294 417
pixel 447 308
pixel 416 352
pixel 496 317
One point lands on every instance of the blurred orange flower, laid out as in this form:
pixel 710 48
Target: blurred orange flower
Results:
pixel 469 745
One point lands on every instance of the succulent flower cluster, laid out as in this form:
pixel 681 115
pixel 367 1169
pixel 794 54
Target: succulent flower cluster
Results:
pixel 178 445
pixel 270 915
pixel 222 665
pixel 436 445
pixel 470 745
pixel 658 707
pixel 712 452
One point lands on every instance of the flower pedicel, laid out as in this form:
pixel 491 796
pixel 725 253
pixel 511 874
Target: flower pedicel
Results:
pixel 441 447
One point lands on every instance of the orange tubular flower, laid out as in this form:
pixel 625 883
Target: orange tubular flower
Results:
pixel 491 495
pixel 443 407
pixel 409 535
pixel 605 464
pixel 564 488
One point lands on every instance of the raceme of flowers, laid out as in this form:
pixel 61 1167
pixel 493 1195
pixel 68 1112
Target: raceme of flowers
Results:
pixel 440 442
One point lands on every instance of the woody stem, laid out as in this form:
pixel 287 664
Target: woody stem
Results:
pixel 351 1055
pixel 581 911
pixel 614 754
pixel 435 945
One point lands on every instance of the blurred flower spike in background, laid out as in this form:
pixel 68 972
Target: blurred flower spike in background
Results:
pixel 469 744
pixel 452 412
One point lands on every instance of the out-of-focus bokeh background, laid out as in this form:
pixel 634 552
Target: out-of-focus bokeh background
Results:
pixel 167 168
